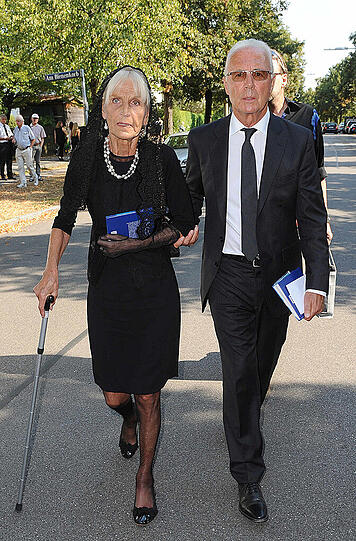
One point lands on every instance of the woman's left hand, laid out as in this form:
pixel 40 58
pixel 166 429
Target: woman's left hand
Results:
pixel 115 245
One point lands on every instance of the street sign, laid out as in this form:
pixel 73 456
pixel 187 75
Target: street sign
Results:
pixel 72 74
pixel 63 75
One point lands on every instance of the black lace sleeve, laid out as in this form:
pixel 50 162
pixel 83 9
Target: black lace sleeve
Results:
pixel 116 245
pixel 177 193
pixel 67 214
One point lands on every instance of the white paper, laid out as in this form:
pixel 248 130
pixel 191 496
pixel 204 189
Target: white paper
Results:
pixel 296 290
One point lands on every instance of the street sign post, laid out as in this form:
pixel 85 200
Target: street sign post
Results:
pixel 72 74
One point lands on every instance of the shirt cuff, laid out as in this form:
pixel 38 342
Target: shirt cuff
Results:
pixel 316 291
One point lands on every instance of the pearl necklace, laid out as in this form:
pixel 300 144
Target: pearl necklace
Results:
pixel 110 166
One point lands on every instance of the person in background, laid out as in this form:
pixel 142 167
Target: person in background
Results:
pixel 24 140
pixel 70 127
pixel 5 149
pixel 60 136
pixel 40 135
pixel 75 135
pixel 302 114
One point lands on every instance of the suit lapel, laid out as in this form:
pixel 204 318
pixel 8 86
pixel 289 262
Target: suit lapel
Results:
pixel 275 145
pixel 219 150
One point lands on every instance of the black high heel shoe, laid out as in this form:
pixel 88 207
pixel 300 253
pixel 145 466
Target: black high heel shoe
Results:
pixel 127 449
pixel 145 515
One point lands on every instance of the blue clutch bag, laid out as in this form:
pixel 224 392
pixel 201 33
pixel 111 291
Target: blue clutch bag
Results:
pixel 124 223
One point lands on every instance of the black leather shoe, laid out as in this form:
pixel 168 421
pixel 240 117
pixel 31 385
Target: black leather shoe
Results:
pixel 127 449
pixel 145 515
pixel 252 504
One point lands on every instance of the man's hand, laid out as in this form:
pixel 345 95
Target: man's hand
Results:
pixel 189 240
pixel 313 304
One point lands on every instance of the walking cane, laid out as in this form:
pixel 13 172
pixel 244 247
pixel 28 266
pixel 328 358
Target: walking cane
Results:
pixel 40 350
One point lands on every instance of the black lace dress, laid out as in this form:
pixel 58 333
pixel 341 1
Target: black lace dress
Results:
pixel 133 303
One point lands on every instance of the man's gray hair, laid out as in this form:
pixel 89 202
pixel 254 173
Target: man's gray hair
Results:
pixel 20 117
pixel 3 116
pixel 249 44
pixel 138 80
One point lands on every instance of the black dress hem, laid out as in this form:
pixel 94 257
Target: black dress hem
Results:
pixel 104 387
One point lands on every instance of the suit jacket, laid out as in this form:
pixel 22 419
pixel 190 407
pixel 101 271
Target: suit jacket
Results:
pixel 290 190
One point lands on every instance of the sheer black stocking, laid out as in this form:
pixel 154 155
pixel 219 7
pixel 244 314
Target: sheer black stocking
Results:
pixel 123 404
pixel 149 413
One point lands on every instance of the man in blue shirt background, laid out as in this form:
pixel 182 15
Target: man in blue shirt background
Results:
pixel 24 140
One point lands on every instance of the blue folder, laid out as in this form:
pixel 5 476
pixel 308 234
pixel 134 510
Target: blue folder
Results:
pixel 123 223
pixel 280 287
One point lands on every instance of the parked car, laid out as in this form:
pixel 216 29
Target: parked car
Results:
pixel 352 128
pixel 348 125
pixel 179 143
pixel 340 127
pixel 330 127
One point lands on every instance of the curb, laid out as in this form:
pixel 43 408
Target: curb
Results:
pixel 16 224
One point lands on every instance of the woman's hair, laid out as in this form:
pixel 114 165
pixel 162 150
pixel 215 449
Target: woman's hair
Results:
pixel 280 60
pixel 136 77
pixel 75 129
pixel 249 44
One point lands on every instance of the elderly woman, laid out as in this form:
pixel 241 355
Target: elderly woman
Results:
pixel 133 299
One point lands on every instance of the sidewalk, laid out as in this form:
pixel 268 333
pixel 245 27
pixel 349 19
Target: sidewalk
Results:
pixel 79 488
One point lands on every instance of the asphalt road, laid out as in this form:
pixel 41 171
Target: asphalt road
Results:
pixel 79 488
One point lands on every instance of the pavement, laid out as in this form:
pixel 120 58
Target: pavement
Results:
pixel 78 487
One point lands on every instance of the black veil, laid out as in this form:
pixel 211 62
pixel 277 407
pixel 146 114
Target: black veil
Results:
pixel 82 165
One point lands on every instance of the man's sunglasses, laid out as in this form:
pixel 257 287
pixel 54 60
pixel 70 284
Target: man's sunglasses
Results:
pixel 240 75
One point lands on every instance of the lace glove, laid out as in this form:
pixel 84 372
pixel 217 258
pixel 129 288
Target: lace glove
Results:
pixel 116 245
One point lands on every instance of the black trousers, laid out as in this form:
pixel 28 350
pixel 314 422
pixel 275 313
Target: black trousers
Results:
pixel 250 341
pixel 6 159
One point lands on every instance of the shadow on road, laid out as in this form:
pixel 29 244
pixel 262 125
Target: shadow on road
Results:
pixel 76 471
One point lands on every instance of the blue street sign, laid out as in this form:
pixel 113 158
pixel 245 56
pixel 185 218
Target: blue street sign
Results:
pixel 63 75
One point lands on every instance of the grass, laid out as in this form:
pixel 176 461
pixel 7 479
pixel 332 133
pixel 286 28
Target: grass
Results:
pixel 15 202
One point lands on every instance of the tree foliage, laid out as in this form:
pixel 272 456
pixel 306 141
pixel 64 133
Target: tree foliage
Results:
pixel 216 26
pixel 335 94
pixel 45 36
pixel 180 44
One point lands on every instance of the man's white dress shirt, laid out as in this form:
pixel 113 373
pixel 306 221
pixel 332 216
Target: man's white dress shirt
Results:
pixel 233 241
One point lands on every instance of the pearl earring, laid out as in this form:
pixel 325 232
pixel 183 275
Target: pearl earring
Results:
pixel 106 127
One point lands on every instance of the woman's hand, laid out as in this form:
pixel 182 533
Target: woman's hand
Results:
pixel 48 285
pixel 189 239
pixel 329 233
pixel 116 245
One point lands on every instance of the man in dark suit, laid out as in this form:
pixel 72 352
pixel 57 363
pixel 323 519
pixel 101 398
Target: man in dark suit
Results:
pixel 258 175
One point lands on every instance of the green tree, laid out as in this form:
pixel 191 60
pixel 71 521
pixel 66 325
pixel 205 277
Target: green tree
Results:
pixel 335 94
pixel 216 26
pixel 43 36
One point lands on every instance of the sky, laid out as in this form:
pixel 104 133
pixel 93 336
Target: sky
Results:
pixel 321 24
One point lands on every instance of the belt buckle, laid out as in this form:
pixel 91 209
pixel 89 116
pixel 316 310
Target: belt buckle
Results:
pixel 256 262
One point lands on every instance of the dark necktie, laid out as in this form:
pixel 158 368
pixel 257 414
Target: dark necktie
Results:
pixel 248 197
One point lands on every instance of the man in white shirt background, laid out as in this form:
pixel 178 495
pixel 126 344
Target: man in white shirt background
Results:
pixel 40 134
pixel 24 140
pixel 5 149
pixel 258 175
